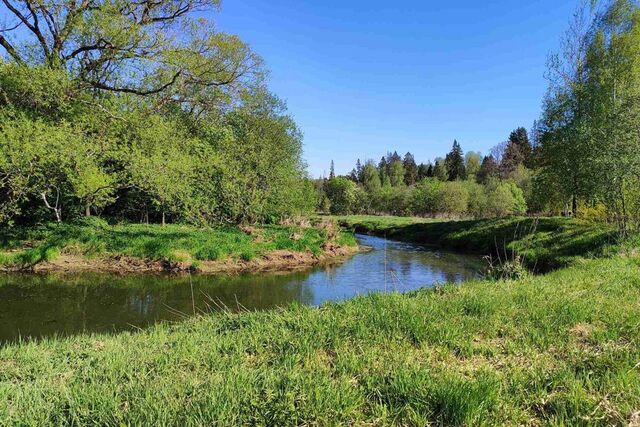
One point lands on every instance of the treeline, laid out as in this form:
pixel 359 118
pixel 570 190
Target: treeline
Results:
pixel 583 159
pixel 590 126
pixel 457 185
pixel 140 111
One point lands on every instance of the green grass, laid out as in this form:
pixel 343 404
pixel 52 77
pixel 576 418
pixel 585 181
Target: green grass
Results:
pixel 92 238
pixel 556 242
pixel 558 349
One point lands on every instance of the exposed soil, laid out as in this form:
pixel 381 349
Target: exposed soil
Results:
pixel 273 261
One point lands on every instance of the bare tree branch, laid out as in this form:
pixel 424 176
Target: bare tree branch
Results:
pixel 10 50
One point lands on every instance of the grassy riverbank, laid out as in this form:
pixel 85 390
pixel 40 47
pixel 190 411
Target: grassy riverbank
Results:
pixel 559 349
pixel 543 242
pixel 147 245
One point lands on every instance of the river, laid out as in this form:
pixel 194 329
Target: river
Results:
pixel 33 306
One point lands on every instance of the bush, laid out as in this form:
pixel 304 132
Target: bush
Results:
pixel 342 195
pixel 505 198
pixel 453 199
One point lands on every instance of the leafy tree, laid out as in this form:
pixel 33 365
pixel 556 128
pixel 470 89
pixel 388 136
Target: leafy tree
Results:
pixel 472 162
pixel 371 178
pixel 440 170
pixel 396 173
pixel 127 47
pixel 453 199
pixel 342 194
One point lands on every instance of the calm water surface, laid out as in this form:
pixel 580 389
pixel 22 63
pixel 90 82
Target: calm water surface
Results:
pixel 37 306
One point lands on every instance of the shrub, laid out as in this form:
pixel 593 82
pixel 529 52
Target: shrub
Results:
pixel 453 199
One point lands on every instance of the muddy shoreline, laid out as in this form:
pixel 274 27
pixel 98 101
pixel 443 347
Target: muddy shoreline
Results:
pixel 273 262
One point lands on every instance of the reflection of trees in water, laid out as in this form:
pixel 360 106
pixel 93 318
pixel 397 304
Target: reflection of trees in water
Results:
pixel 63 304
pixel 47 305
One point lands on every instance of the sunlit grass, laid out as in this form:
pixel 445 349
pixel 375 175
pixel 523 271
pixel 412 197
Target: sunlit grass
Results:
pixel 93 238
pixel 559 349
pixel 543 242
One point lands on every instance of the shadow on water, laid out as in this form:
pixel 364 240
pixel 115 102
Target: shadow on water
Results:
pixel 37 306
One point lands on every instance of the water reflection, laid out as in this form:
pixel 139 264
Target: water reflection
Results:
pixel 35 306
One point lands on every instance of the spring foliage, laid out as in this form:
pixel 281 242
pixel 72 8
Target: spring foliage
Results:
pixel 113 114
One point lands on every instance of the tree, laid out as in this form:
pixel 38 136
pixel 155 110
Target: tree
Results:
pixel 358 172
pixel 383 169
pixel 504 199
pixel 127 47
pixel 410 169
pixel 396 173
pixel 472 162
pixel 440 170
pixel 332 171
pixel 454 163
pixel 488 170
pixel 424 171
pixel 342 194
pixel 453 199
pixel 371 178
pixel 517 152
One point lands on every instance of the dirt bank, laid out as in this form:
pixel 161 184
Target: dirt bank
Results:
pixel 274 261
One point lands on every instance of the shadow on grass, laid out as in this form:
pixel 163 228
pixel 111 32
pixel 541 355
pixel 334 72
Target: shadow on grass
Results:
pixel 544 243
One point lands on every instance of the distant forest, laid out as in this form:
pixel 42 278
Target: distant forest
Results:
pixel 457 185
pixel 581 159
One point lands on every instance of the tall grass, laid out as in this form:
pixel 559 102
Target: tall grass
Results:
pixel 559 349
pixel 556 242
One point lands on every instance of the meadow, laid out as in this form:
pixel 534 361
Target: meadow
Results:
pixel 558 349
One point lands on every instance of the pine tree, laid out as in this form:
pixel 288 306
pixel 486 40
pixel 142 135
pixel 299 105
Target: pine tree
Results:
pixel 430 172
pixel 359 172
pixel 332 171
pixel 383 168
pixel 423 171
pixel 518 151
pixel 410 169
pixel 488 169
pixel 454 163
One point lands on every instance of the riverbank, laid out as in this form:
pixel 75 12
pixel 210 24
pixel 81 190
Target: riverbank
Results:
pixel 542 243
pixel 562 348
pixel 133 248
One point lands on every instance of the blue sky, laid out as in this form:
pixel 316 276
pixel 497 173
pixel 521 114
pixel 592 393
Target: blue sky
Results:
pixel 364 77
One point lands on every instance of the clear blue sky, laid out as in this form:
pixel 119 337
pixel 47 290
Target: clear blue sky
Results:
pixel 364 77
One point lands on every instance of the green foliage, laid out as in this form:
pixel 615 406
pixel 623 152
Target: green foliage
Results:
pixel 542 243
pixel 342 194
pixel 588 130
pixel 109 113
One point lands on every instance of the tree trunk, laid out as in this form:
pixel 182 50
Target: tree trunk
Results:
pixel 574 206
pixel 87 210
pixel 163 219
pixel 56 208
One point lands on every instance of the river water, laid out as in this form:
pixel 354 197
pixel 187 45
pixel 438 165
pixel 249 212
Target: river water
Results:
pixel 33 306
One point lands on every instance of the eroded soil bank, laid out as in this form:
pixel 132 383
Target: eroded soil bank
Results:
pixel 278 260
